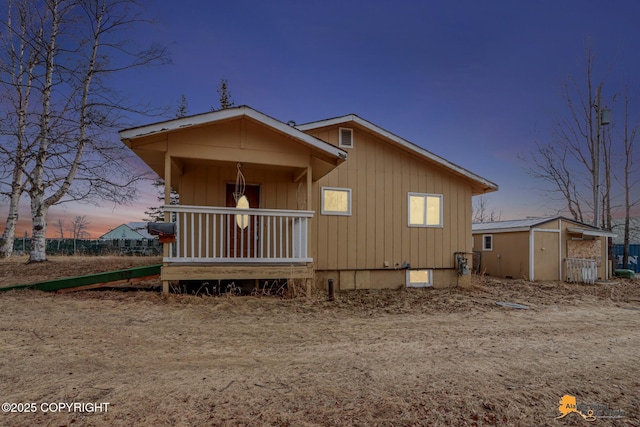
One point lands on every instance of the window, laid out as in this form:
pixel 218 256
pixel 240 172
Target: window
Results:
pixel 336 201
pixel 425 210
pixel 487 242
pixel 419 278
pixel 346 138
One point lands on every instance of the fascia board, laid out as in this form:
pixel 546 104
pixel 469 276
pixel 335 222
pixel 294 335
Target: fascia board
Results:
pixel 217 116
pixel 402 142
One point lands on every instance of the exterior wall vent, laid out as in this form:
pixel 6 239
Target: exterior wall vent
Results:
pixel 346 138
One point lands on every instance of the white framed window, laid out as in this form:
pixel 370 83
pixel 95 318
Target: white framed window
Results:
pixel 425 210
pixel 335 201
pixel 346 138
pixel 487 242
pixel 419 278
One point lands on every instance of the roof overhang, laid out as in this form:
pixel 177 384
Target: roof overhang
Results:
pixel 589 232
pixel 481 185
pixel 326 155
pixel 500 230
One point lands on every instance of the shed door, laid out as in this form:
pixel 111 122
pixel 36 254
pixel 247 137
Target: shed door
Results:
pixel 243 236
pixel 546 256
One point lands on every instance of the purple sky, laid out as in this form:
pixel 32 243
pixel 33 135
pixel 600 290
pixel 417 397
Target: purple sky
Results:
pixel 476 82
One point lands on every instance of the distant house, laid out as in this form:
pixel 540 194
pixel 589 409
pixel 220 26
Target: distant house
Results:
pixel 554 248
pixel 132 238
pixel 339 199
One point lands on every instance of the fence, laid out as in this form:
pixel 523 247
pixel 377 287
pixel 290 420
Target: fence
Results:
pixel 581 270
pixel 142 247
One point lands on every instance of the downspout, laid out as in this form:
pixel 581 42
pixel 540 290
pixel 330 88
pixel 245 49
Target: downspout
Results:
pixel 532 257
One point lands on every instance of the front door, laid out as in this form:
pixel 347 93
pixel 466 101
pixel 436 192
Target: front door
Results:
pixel 244 228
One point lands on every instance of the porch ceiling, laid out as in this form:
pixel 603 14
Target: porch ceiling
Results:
pixel 319 168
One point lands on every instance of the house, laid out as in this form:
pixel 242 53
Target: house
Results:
pixel 129 231
pixel 554 248
pixel 339 199
pixel 131 238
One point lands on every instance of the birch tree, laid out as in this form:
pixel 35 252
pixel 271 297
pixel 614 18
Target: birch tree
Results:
pixel 17 70
pixel 75 46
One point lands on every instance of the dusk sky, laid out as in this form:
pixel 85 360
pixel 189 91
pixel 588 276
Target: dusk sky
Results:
pixel 476 82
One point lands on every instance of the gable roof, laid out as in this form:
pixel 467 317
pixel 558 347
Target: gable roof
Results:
pixel 227 114
pixel 527 224
pixel 130 231
pixel 485 185
pixel 140 227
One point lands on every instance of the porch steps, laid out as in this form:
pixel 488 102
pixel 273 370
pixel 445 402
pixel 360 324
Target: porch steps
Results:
pixel 90 281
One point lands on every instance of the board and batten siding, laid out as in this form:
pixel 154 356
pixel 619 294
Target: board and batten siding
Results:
pixel 267 160
pixel 380 175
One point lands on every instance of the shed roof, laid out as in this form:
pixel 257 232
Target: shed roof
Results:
pixel 529 223
pixel 485 186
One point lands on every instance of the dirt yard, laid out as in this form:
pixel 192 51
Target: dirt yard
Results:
pixel 389 358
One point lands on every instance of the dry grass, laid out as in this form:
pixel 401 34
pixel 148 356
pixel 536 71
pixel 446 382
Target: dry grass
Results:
pixel 16 270
pixel 409 357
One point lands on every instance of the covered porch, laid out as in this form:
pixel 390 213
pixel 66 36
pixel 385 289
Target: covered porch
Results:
pixel 245 194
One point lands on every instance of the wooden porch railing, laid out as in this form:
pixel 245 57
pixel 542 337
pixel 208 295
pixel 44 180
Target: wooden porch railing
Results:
pixel 581 270
pixel 231 235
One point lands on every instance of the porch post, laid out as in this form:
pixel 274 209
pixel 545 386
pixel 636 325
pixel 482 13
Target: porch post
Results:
pixel 309 282
pixel 167 218
pixel 309 185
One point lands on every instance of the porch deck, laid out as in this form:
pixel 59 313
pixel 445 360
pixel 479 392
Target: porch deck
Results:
pixel 218 243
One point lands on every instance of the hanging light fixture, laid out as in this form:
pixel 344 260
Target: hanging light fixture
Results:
pixel 241 200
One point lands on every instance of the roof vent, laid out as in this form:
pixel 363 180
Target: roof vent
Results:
pixel 346 138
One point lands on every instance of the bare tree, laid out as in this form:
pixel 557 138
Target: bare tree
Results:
pixel 78 230
pixel 571 160
pixel 630 172
pixel 481 211
pixel 61 227
pixel 72 48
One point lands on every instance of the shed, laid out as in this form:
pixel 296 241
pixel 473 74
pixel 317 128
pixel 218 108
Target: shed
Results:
pixel 552 248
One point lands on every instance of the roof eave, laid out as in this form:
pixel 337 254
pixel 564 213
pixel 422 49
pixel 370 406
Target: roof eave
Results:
pixel 485 186
pixel 231 113
pixel 587 232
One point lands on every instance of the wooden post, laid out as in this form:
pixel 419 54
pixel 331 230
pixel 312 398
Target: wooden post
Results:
pixel 309 187
pixel 167 218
